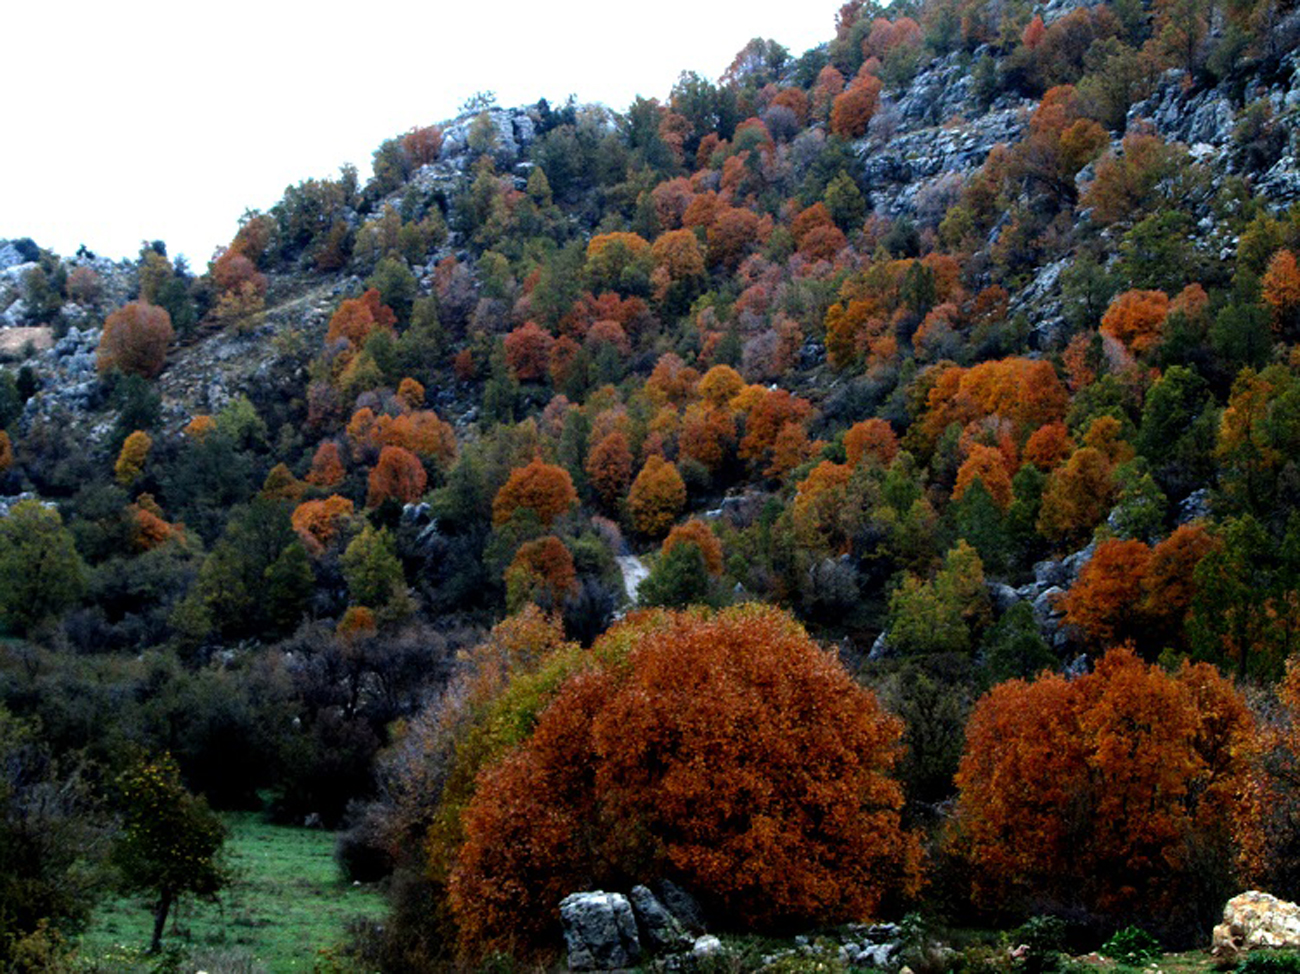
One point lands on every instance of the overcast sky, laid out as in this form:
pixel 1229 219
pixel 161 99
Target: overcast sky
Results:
pixel 146 119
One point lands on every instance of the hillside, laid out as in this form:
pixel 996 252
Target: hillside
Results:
pixel 968 340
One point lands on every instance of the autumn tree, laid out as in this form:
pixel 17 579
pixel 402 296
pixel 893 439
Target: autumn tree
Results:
pixel 318 522
pixel 1137 319
pixel 1280 289
pixel 543 488
pixel 1105 601
pixel 1077 497
pixel 326 466
pixel 528 352
pixel 851 110
pixel 656 497
pixel 871 438
pixel 609 468
pixel 398 476
pixel 356 318
pixel 543 572
pixel 130 460
pixel 135 340
pixel 986 464
pixel 1114 791
pixel 787 736
pixel 696 532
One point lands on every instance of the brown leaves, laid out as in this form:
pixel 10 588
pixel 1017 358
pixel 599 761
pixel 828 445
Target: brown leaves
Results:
pixel 730 751
pixel 1108 790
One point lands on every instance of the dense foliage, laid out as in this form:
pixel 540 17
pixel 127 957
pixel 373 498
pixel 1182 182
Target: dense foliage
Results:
pixel 343 520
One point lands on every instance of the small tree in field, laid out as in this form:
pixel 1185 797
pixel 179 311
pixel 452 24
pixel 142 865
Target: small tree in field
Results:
pixel 171 841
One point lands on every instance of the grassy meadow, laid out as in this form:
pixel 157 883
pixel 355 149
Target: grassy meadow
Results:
pixel 285 904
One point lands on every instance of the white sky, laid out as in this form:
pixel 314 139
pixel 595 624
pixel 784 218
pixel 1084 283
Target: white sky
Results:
pixel 166 119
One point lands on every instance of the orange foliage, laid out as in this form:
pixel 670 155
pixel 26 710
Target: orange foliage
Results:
pixel 608 333
pixel 987 464
pixel 528 351
pixel 543 488
pixel 564 357
pixel 1125 182
pixel 411 393
pixel 698 533
pixel 1280 288
pixel 609 467
pixel 1077 496
pixel 670 200
pixel 819 507
pixel 199 427
pixel 656 497
pixel 730 751
pixel 135 340
pixel 149 530
pixel 326 466
pixel 1104 601
pixel 720 385
pixel 1024 391
pixel 1109 790
pixel 1171 574
pixel 542 571
pixel 1048 446
pixel 851 110
pixel 233 271
pixel 6 452
pixel 398 476
pixel 422 145
pixel 874 437
pixel 357 621
pixel 707 433
pixel 318 522
pixel 731 235
pixel 356 318
pixel 671 381
pixel 773 410
pixel 1137 318
pixel 1033 33
pixel 678 253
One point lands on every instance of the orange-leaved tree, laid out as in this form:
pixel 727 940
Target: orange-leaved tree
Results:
pixel 542 572
pixel 398 476
pixel 1113 793
pixel 1136 318
pixel 135 339
pixel 543 488
pixel 730 753
pixel 609 468
pixel 656 497
pixel 698 533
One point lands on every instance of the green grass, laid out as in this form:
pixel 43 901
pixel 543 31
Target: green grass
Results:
pixel 286 902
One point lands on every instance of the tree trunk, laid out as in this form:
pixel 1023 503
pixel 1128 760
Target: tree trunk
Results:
pixel 160 920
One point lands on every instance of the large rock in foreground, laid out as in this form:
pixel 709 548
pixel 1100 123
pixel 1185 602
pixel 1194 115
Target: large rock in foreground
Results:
pixel 600 931
pixel 1253 920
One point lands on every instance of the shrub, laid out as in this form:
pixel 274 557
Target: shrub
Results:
pixel 1132 946
pixel 135 339
pixel 729 752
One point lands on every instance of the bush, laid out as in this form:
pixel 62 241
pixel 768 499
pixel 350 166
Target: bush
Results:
pixel 1133 946
pixel 1269 962
pixel 135 339
pixel 728 752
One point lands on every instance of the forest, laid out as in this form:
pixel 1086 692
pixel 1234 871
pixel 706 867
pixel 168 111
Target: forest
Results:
pixel 965 484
